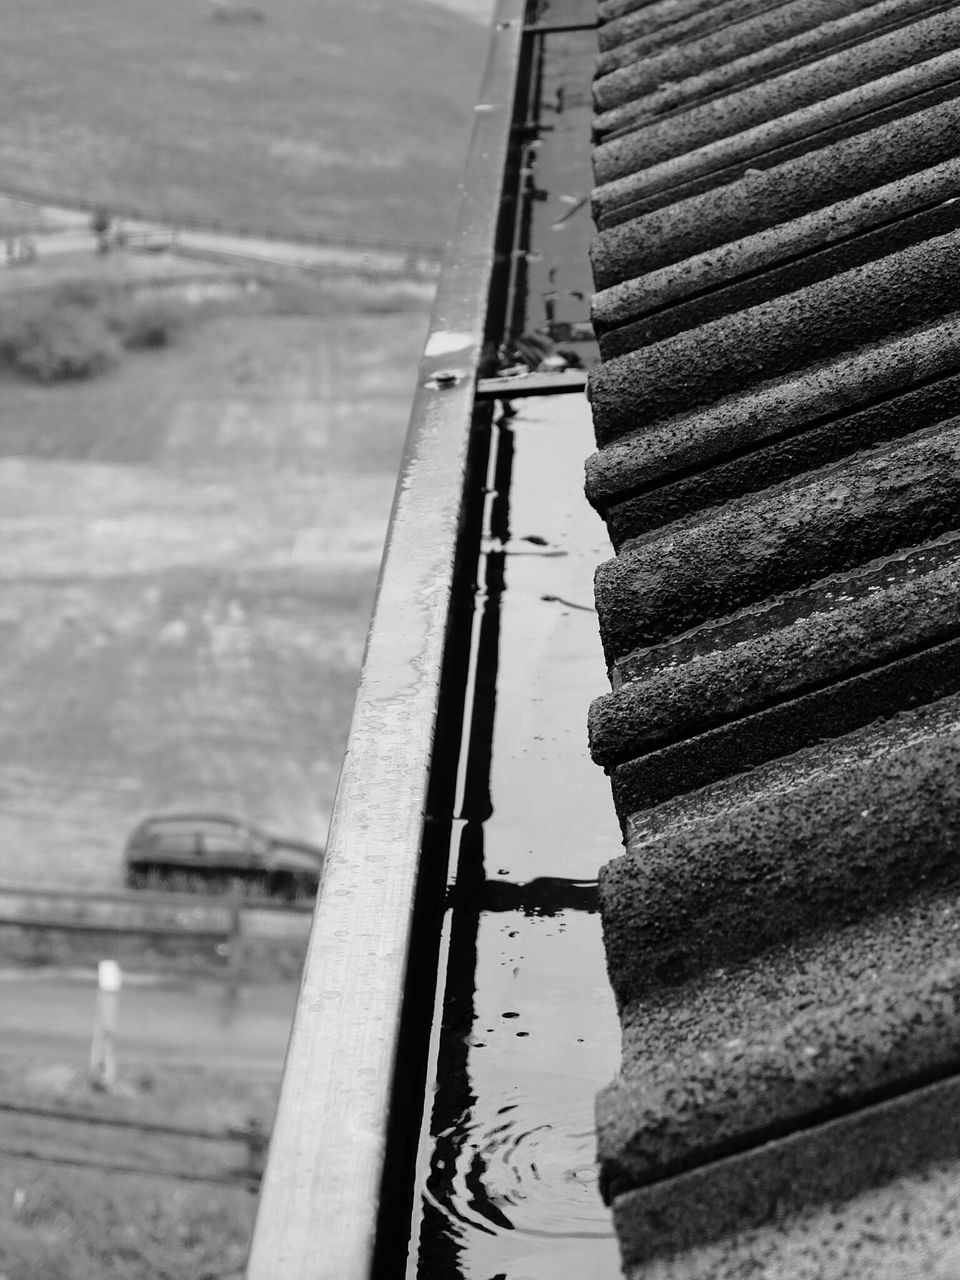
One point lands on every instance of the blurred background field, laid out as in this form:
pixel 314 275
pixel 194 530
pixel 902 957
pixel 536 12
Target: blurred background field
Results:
pixel 340 118
pixel 192 523
pixel 190 544
pixel 199 443
pixel 64 1221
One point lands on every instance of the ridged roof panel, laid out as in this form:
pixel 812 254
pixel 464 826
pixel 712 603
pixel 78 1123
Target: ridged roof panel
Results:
pixel 777 414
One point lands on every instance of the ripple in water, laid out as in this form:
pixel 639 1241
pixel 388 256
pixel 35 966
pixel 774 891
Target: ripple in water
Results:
pixel 521 1172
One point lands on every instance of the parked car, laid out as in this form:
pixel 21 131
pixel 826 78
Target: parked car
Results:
pixel 210 850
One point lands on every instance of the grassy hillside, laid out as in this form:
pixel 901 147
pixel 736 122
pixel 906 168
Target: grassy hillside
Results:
pixel 188 553
pixel 338 117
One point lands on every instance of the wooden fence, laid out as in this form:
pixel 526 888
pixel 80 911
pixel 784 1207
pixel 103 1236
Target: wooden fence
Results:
pixel 252 1137
pixel 229 921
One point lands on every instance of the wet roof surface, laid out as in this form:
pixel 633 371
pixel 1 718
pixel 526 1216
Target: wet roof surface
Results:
pixel 777 414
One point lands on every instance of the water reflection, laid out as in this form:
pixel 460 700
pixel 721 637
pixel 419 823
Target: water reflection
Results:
pixel 528 1033
pixel 528 1027
pixel 541 896
pixel 531 1170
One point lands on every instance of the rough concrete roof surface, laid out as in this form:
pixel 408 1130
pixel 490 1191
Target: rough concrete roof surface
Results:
pixel 777 415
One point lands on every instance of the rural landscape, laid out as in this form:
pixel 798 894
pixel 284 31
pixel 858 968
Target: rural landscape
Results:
pixel 221 227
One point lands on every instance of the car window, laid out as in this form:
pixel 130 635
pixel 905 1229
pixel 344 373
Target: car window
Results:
pixel 215 842
pixel 186 829
pixel 183 841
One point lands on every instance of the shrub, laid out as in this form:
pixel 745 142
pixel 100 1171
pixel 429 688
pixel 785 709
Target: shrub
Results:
pixel 81 293
pixel 146 323
pixel 78 330
pixel 54 343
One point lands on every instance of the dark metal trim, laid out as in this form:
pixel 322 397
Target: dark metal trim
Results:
pixel 544 28
pixel 517 386
pixel 319 1206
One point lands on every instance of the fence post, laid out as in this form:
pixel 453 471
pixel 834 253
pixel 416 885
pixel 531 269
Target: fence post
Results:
pixel 236 933
pixel 103 1057
pixel 256 1141
pixel 235 942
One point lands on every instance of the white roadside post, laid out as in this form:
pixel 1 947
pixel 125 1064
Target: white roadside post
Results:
pixel 103 1058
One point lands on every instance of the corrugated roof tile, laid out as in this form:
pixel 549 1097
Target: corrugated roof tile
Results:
pixel 779 468
pixel 644 88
